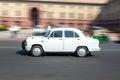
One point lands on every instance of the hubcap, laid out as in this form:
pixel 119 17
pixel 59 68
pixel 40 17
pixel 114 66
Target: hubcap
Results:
pixel 36 51
pixel 81 52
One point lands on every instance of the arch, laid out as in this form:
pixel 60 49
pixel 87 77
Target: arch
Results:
pixel 34 16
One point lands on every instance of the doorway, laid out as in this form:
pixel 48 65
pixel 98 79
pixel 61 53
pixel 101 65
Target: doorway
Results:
pixel 35 16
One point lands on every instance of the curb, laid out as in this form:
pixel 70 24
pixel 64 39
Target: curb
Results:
pixel 12 39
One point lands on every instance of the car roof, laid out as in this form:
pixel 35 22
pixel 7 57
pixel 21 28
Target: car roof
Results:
pixel 69 29
pixel 65 28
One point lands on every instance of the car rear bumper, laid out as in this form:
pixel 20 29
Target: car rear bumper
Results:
pixel 95 49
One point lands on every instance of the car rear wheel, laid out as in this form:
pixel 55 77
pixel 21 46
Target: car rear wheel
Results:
pixel 81 51
pixel 37 51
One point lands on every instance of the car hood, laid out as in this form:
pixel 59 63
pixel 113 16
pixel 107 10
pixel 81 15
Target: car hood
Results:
pixel 35 37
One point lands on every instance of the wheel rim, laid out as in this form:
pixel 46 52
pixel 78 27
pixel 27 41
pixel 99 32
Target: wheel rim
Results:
pixel 36 52
pixel 81 52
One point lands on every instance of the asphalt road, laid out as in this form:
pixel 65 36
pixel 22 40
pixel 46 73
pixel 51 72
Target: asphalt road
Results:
pixel 16 65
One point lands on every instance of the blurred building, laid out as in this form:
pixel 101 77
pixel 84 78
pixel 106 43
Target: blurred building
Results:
pixel 110 15
pixel 74 13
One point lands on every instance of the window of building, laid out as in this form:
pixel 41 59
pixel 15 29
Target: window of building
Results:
pixel 100 17
pixel 80 16
pixel 18 13
pixel 62 15
pixel 48 23
pixel 18 23
pixel 71 15
pixel 61 23
pixel 5 13
pixel 90 16
pixel 4 22
pixel 71 24
pixel 50 14
pixel 90 8
pixel 80 25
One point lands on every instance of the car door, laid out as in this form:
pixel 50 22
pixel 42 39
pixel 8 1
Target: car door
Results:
pixel 71 40
pixel 55 42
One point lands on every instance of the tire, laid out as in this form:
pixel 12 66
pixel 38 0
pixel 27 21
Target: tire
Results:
pixel 23 44
pixel 81 51
pixel 37 51
pixel 89 54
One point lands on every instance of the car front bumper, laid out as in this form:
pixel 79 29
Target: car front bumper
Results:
pixel 24 46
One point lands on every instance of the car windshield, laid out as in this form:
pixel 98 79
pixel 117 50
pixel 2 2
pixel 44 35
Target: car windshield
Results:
pixel 47 34
pixel 38 34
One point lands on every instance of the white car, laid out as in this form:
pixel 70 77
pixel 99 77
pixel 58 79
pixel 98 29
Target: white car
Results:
pixel 61 40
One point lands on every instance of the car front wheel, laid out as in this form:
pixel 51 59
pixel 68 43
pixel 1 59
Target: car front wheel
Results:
pixel 37 51
pixel 81 51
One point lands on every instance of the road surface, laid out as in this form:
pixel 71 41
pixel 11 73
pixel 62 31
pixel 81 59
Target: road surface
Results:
pixel 16 65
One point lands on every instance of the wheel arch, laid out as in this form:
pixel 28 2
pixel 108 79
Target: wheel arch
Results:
pixel 82 46
pixel 37 45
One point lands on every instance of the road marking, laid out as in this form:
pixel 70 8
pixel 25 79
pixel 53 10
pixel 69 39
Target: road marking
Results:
pixel 110 49
pixel 9 47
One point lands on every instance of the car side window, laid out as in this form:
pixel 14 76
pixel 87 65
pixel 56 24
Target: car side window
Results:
pixel 56 34
pixel 69 34
pixel 76 35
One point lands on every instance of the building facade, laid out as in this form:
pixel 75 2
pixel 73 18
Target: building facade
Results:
pixel 74 13
pixel 110 15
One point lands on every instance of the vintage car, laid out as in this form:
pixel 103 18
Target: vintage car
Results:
pixel 61 40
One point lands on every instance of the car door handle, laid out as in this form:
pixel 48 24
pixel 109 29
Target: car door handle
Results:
pixel 78 39
pixel 60 39
pixel 42 41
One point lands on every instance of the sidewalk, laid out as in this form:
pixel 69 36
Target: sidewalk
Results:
pixel 6 35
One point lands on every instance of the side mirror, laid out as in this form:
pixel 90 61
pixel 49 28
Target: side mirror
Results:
pixel 48 37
